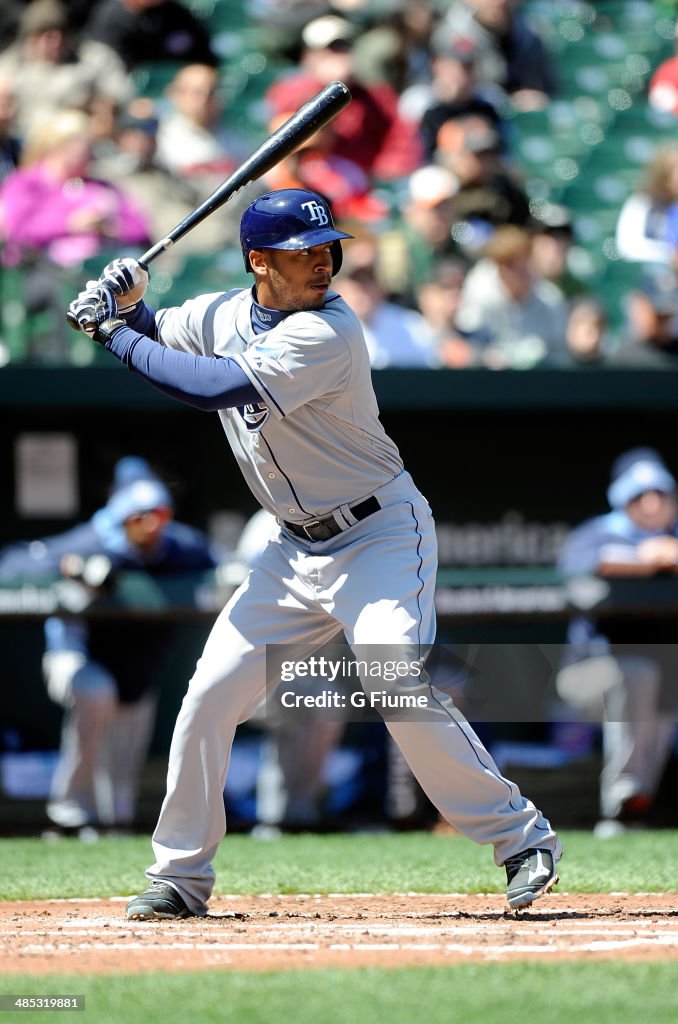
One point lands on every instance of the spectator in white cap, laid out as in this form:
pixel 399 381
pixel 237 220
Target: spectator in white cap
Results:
pixel 370 130
pixel 622 671
pixel 105 673
pixel 424 235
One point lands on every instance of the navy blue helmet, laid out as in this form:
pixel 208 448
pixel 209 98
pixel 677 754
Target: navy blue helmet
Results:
pixel 290 218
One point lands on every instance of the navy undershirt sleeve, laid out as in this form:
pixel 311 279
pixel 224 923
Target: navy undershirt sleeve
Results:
pixel 140 318
pixel 205 382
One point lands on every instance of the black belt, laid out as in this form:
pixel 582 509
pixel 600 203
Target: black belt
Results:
pixel 323 529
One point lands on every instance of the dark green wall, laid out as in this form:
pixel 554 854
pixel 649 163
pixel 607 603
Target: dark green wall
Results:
pixel 477 443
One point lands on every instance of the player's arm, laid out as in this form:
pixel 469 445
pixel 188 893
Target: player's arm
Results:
pixel 205 382
pixel 652 555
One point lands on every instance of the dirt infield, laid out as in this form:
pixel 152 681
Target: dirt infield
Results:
pixel 269 932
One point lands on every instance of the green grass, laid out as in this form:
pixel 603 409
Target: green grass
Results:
pixel 411 862
pixel 602 992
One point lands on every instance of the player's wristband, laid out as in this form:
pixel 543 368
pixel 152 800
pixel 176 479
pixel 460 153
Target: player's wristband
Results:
pixel 108 329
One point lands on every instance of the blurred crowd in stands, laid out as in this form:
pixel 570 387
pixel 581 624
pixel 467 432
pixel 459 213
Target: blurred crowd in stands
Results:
pixel 118 116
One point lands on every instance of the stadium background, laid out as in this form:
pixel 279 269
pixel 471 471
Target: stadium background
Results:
pixel 536 446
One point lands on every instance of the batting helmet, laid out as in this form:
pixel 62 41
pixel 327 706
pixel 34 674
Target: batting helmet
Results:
pixel 290 218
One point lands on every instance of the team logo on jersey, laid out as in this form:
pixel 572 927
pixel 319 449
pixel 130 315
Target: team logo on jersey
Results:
pixel 316 212
pixel 254 416
pixel 269 354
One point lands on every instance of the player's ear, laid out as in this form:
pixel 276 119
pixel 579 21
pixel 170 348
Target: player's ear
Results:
pixel 258 261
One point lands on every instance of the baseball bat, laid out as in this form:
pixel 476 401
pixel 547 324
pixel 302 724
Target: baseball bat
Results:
pixel 309 119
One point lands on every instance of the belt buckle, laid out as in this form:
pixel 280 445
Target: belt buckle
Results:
pixel 306 527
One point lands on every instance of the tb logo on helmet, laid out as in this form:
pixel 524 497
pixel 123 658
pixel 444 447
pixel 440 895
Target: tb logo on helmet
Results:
pixel 316 212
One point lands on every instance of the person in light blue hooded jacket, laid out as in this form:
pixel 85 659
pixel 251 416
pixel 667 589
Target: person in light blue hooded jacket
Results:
pixel 105 673
pixel 617 670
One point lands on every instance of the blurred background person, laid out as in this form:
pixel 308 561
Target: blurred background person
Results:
pixel 586 338
pixel 54 215
pixel 315 166
pixel 394 334
pixel 393 46
pixel 291 778
pixel 370 131
pixel 196 145
pixel 165 198
pixel 641 233
pixel 491 192
pixel 451 93
pixel 52 69
pixel 422 234
pixel 105 674
pixel 521 318
pixel 439 301
pixel 651 339
pixel 604 674
pixel 194 139
pixel 149 31
pixel 552 241
pixel 511 55
pixel 52 206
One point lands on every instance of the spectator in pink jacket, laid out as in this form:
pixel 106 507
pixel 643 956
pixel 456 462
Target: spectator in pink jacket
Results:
pixel 51 208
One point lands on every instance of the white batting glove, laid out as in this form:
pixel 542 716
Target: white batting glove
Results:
pixel 93 307
pixel 127 279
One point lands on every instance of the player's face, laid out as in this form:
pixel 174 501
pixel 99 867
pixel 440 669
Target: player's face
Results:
pixel 653 511
pixel 145 529
pixel 294 280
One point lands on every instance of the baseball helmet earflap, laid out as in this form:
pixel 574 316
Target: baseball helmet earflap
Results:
pixel 290 218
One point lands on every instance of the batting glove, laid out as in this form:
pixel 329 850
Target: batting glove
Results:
pixel 127 279
pixel 93 307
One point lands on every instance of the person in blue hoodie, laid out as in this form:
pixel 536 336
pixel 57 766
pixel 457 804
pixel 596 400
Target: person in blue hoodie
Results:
pixel 617 671
pixel 105 673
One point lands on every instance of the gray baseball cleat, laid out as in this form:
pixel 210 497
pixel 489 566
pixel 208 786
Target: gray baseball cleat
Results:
pixel 159 902
pixel 528 876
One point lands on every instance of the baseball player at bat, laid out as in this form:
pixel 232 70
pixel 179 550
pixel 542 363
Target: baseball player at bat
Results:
pixel 285 365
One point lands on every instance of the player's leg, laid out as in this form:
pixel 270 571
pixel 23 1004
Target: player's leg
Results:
pixel 290 783
pixel 387 598
pixel 88 694
pixel 636 739
pixel 271 607
pixel 303 749
pixel 128 741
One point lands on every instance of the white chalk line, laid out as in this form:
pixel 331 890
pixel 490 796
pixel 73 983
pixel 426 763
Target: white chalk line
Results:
pixel 628 927
pixel 41 949
pixel 336 936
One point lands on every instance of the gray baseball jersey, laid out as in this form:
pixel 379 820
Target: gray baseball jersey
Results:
pixel 315 442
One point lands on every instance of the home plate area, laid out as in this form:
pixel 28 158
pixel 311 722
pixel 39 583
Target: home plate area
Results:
pixel 268 932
